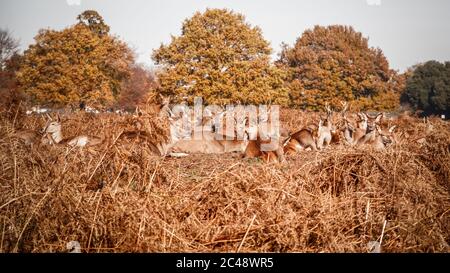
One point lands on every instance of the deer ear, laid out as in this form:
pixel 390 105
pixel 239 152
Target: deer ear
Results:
pixel 379 117
pixel 391 130
pixel 58 119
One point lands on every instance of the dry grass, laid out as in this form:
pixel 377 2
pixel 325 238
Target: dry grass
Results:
pixel 119 197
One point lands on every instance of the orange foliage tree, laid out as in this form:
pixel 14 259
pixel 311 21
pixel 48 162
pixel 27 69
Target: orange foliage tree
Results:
pixel 221 58
pixel 333 63
pixel 78 64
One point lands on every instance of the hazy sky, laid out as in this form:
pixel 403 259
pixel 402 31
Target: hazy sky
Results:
pixel 408 31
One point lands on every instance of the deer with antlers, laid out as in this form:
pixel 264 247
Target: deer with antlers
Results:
pixel 314 137
pixel 351 134
pixel 344 129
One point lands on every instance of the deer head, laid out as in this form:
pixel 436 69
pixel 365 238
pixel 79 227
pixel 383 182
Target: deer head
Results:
pixel 387 136
pixel 52 126
pixel 372 122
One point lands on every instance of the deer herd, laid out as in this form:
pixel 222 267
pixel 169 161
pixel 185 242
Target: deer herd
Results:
pixel 336 128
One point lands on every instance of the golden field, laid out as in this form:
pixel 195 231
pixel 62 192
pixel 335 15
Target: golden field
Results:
pixel 120 197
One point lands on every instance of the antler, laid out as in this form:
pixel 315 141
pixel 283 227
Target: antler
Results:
pixel 328 109
pixel 48 117
pixel 344 106
pixel 362 116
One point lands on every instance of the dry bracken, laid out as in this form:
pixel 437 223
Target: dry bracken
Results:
pixel 121 197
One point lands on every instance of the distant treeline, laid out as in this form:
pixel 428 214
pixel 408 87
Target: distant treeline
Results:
pixel 222 58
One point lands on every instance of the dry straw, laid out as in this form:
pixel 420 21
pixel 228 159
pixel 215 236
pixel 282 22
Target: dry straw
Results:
pixel 120 197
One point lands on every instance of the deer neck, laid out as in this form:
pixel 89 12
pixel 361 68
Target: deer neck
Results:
pixel 56 136
pixel 372 136
pixel 348 134
pixel 362 125
pixel 329 126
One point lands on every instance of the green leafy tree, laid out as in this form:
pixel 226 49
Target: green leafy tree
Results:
pixel 74 65
pixel 223 59
pixel 333 63
pixel 428 88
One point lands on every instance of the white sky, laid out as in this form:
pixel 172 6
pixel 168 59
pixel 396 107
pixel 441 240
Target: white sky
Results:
pixel 408 32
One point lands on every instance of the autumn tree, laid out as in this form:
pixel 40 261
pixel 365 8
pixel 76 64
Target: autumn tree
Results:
pixel 428 88
pixel 137 88
pixel 222 58
pixel 75 65
pixel 94 22
pixel 333 63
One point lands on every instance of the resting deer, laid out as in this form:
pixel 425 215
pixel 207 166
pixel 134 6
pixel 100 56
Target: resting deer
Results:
pixel 264 142
pixel 351 134
pixel 361 127
pixel 386 137
pixel 344 130
pixel 303 139
pixel 210 142
pixel 53 135
pixel 348 131
pixel 379 138
pixel 371 135
pixel 29 137
pixel 312 136
pixel 273 152
pixel 162 109
pixel 207 145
